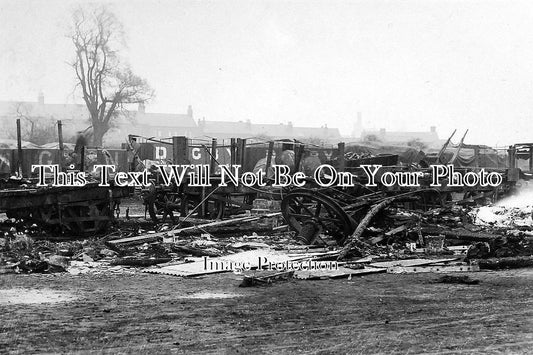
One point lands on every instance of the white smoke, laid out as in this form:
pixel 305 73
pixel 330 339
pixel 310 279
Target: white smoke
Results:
pixel 512 211
pixel 522 198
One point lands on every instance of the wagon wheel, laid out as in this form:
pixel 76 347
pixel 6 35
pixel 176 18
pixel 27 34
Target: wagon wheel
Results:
pixel 345 196
pixel 86 219
pixel 99 211
pixel 309 213
pixel 164 204
pixel 215 207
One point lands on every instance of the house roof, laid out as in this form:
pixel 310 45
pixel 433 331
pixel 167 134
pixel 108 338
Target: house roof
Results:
pixel 140 119
pixel 238 128
pixel 6 143
pixel 80 112
pixel 56 111
pixel 163 119
pixel 319 132
pixel 397 136
pixel 248 129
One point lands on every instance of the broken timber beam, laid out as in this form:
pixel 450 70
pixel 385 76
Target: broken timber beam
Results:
pixel 171 233
pixel 514 262
pixel 434 269
pixel 459 233
pixel 223 223
pixel 353 240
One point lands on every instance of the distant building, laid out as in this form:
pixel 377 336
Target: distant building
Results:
pixel 429 138
pixel 75 118
pixel 247 129
pixel 358 126
pixel 155 125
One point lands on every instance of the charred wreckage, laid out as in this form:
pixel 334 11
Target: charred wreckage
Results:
pixel 351 200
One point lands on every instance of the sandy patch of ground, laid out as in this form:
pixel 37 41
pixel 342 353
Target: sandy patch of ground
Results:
pixel 33 296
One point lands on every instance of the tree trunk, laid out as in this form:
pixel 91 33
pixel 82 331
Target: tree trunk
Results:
pixel 98 134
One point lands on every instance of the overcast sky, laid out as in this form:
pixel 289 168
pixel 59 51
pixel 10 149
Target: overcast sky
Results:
pixel 405 65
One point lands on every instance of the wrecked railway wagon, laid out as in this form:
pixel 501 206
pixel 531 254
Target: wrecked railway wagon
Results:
pixel 254 156
pixel 338 210
pixel 163 200
pixel 79 211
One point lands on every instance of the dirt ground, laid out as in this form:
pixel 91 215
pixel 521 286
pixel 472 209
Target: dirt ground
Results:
pixel 380 313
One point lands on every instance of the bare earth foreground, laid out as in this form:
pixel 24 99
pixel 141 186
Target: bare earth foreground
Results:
pixel 381 313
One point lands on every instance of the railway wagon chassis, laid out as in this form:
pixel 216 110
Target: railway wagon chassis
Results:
pixel 82 211
pixel 338 211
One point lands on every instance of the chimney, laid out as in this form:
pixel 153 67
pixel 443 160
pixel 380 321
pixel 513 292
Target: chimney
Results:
pixel 141 108
pixel 201 122
pixel 189 111
pixel 382 132
pixel 358 126
pixel 289 126
pixel 40 98
pixel 433 129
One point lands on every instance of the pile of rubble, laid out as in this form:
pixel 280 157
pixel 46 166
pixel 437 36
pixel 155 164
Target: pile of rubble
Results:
pixel 30 250
pixel 260 247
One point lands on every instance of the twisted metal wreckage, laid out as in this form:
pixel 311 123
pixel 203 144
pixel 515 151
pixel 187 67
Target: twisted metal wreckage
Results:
pixel 314 212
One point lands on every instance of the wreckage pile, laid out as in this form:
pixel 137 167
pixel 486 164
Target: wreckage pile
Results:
pixel 454 238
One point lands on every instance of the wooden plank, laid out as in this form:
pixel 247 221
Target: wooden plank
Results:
pixel 410 262
pixel 435 269
pixel 341 272
pixel 167 233
pixel 145 238
pixel 233 152
pixel 180 150
pixel 341 158
pixel 512 262
pixel 458 233
pixel 396 230
pixel 61 145
pixel 265 278
pixel 20 162
pixel 224 263
pixel 212 160
pixel 226 222
pixel 298 154
pixel 269 157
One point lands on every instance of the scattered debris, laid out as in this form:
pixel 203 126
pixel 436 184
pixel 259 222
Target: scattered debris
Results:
pixel 452 279
pixel 263 278
pixel 354 241
pixel 434 269
pixel 410 262
pixel 341 272
pixel 506 263
pixel 140 262
pixel 392 233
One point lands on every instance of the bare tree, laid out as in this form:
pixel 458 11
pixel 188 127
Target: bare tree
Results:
pixel 107 85
pixel 35 129
pixel 22 111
